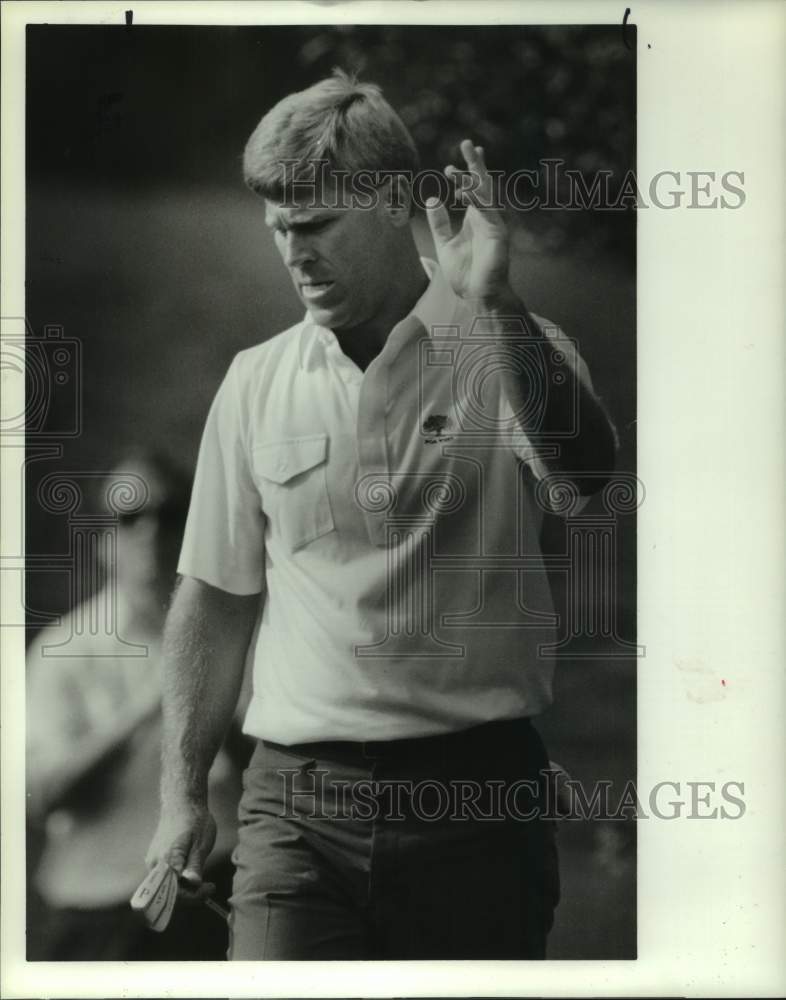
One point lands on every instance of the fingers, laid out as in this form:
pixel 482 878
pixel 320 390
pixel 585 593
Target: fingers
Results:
pixel 176 857
pixel 473 155
pixel 192 870
pixel 191 867
pixel 439 222
pixel 157 855
pixel 179 852
pixel 183 843
pixel 473 186
pixel 194 892
pixel 468 187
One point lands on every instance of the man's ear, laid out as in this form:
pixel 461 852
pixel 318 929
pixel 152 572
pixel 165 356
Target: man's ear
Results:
pixel 396 197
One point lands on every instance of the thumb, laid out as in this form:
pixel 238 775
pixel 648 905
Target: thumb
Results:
pixel 201 845
pixel 439 222
pixel 192 869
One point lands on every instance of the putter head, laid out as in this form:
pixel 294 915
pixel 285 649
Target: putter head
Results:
pixel 156 896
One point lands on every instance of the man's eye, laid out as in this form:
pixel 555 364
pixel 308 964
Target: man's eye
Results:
pixel 304 228
pixel 317 227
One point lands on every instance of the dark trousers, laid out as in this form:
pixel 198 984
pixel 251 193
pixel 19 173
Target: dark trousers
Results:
pixel 429 848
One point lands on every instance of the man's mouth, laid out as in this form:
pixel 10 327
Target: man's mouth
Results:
pixel 315 289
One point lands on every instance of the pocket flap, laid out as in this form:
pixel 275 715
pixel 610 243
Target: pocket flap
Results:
pixel 282 460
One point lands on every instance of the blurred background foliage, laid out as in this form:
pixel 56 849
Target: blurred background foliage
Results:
pixel 144 247
pixel 525 93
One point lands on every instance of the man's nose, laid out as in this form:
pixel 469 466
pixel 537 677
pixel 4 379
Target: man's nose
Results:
pixel 298 250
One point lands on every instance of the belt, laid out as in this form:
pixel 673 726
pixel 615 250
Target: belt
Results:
pixel 486 737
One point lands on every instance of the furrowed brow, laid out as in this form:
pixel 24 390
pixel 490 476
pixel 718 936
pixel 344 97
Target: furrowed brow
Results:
pixel 299 224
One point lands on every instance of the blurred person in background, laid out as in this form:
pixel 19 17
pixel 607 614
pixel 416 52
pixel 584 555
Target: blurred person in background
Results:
pixel 299 424
pixel 94 754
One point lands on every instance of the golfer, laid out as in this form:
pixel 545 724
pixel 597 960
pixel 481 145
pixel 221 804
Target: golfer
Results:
pixel 369 491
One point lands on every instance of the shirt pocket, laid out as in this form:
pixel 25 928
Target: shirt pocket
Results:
pixel 292 478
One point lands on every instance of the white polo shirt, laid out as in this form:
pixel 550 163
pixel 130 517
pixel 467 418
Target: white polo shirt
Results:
pixel 391 520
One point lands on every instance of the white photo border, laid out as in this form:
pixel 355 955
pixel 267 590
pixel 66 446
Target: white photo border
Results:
pixel 711 352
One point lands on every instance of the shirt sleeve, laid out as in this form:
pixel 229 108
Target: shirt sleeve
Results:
pixel 223 544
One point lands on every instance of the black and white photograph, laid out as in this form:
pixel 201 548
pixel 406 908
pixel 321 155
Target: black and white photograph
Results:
pixel 335 646
pixel 416 470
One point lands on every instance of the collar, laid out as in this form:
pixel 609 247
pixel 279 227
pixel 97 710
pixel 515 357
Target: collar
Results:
pixel 436 307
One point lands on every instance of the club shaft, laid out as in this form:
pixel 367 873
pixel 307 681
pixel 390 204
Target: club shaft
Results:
pixel 213 905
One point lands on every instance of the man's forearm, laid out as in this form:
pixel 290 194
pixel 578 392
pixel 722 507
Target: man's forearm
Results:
pixel 205 645
pixel 587 457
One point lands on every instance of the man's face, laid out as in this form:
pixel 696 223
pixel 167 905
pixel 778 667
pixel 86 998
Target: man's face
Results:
pixel 337 258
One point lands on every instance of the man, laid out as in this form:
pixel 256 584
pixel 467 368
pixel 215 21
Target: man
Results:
pixel 371 472
pixel 94 748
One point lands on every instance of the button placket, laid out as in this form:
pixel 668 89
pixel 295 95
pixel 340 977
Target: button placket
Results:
pixel 372 447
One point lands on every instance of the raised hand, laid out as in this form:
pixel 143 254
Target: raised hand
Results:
pixel 474 260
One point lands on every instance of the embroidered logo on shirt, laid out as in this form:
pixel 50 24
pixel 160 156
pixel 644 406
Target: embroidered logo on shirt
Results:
pixel 436 425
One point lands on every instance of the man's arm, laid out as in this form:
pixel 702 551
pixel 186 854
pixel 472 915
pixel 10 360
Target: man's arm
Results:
pixel 476 261
pixel 589 456
pixel 205 643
